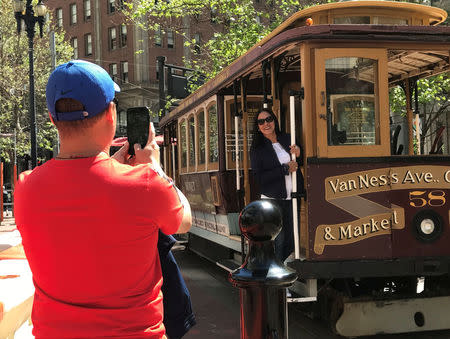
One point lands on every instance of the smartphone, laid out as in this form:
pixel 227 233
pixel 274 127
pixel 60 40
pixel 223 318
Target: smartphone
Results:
pixel 138 122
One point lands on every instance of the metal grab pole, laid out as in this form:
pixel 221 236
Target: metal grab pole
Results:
pixel 238 177
pixel 294 180
pixel 236 150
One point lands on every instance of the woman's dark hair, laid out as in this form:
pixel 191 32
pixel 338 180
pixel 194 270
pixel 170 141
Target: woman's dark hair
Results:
pixel 258 137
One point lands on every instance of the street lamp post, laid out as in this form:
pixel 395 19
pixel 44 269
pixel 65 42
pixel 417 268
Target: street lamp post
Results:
pixel 30 20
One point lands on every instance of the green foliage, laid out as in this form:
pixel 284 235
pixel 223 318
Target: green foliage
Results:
pixel 433 102
pixel 433 92
pixel 236 25
pixel 14 84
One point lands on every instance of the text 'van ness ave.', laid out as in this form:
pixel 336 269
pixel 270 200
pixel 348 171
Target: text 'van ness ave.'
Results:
pixel 385 179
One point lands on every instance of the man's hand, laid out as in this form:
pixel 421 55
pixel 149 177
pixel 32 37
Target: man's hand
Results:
pixel 122 154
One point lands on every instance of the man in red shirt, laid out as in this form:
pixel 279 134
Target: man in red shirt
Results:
pixel 89 222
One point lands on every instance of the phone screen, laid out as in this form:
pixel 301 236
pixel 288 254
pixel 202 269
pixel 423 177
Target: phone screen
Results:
pixel 138 122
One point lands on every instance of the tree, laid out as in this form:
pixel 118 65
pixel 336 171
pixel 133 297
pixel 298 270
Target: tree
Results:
pixel 433 106
pixel 236 25
pixel 14 84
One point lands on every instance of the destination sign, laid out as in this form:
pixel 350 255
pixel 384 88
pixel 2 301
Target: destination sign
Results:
pixel 386 179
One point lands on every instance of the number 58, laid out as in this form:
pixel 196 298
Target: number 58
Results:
pixel 420 199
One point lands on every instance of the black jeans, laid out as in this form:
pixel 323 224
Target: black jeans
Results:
pixel 284 242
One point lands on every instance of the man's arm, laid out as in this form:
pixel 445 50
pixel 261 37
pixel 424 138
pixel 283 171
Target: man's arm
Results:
pixel 186 221
pixel 150 155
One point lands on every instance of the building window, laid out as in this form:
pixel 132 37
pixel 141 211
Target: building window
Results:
pixel 112 35
pixel 74 44
pixel 124 68
pixel 123 35
pixel 170 40
pixel 73 14
pixel 87 10
pixel 158 37
pixel 59 17
pixel 88 44
pixel 111 6
pixel 197 43
pixel 113 71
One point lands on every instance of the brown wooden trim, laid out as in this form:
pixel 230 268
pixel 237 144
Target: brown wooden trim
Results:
pixel 216 193
pixel 309 133
pixel 417 159
pixel 221 132
pixel 369 7
pixel 200 167
pixel 229 123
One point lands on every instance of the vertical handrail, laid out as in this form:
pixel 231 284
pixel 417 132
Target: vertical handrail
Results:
pixel 236 150
pixel 294 181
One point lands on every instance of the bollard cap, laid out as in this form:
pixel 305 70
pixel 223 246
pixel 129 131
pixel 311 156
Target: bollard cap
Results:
pixel 260 220
pixel 260 223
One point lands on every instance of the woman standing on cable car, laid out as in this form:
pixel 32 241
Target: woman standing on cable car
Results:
pixel 270 157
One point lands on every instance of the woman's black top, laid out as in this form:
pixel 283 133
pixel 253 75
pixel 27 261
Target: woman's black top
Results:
pixel 268 170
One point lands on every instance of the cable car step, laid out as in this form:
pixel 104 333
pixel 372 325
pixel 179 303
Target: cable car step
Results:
pixel 394 316
pixel 228 264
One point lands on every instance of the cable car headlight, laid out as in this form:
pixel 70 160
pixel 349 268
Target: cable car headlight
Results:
pixel 427 226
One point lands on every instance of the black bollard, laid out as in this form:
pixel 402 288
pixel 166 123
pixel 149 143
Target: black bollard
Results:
pixel 262 279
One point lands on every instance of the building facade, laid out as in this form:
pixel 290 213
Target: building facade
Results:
pixel 99 32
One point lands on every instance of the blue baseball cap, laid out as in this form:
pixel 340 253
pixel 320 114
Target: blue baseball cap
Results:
pixel 83 81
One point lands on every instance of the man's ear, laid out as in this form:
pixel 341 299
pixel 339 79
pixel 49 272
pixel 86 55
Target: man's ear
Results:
pixel 111 112
pixel 51 118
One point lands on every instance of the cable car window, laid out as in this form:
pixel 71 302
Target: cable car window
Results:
pixel 191 136
pixel 213 134
pixel 183 146
pixel 201 137
pixel 384 20
pixel 254 105
pixel 352 20
pixel 351 111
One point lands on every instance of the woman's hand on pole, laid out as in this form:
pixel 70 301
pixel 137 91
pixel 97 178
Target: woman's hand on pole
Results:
pixel 293 166
pixel 295 150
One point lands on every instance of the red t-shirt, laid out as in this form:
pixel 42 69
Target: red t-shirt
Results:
pixel 90 229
